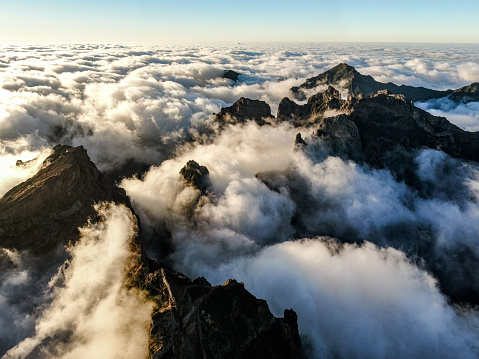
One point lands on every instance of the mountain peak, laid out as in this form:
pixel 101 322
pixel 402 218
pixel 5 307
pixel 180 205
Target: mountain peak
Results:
pixel 47 209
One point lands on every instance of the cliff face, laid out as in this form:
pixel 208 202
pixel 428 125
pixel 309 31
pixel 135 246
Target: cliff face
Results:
pixel 47 209
pixel 196 320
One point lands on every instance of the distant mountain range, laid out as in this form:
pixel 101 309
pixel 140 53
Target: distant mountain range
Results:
pixel 346 77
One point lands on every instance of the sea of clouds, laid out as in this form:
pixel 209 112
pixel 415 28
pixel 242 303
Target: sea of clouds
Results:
pixel 272 213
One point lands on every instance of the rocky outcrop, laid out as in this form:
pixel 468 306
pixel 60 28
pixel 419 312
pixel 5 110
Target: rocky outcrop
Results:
pixel 346 77
pixel 232 75
pixel 243 110
pixel 196 320
pixel 196 176
pixel 317 107
pixel 46 210
pixel 299 142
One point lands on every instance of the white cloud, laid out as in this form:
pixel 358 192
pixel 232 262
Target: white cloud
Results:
pixel 356 302
pixel 93 313
pixel 142 103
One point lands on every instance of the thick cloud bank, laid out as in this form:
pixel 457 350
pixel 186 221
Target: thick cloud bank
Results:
pixel 357 302
pixel 129 104
pixel 93 314
pixel 147 110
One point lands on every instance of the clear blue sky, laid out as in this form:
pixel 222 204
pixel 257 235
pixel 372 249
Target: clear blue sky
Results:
pixel 212 20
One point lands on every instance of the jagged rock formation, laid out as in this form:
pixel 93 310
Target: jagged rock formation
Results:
pixel 244 109
pixel 299 142
pixel 387 121
pixel 346 77
pixel 195 320
pixel 196 176
pixel 47 209
pixel 232 75
pixel 379 123
pixel 316 107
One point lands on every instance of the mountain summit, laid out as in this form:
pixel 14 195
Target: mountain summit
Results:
pixel 47 209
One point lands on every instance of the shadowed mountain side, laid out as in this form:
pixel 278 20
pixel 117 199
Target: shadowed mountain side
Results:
pixel 47 209
pixel 345 76
pixel 195 320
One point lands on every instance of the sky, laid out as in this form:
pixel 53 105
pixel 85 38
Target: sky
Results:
pixel 189 21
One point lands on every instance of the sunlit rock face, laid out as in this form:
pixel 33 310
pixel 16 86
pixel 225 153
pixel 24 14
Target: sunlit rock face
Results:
pixel 469 93
pixel 46 210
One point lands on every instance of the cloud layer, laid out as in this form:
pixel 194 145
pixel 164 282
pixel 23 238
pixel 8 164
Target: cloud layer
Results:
pixel 133 107
pixel 136 103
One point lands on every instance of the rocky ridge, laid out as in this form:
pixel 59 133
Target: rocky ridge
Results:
pixel 344 76
pixel 366 127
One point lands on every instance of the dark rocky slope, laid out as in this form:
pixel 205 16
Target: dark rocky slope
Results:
pixel 192 319
pixel 46 210
pixel 345 76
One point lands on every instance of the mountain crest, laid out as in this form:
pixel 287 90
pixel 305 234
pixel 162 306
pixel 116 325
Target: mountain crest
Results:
pixel 344 76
